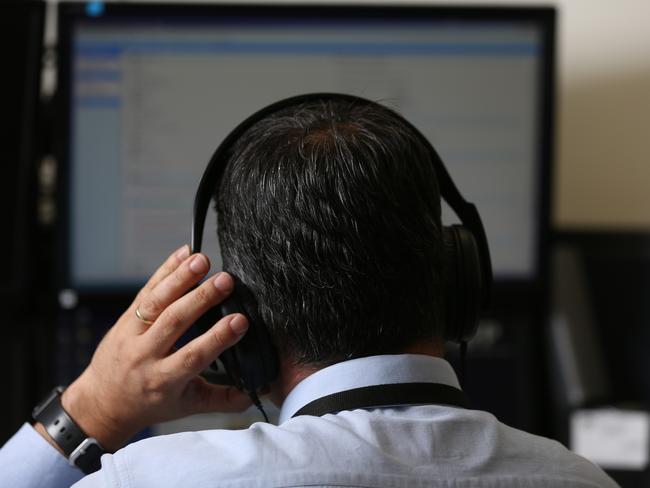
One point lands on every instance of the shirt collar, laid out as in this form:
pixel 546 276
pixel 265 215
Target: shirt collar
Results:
pixel 368 371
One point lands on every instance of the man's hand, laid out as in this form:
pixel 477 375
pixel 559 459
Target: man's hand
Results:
pixel 137 378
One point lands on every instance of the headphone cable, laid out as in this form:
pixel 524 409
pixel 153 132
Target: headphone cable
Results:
pixel 462 363
pixel 258 404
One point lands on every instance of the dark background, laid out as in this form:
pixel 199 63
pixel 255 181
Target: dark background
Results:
pixel 508 370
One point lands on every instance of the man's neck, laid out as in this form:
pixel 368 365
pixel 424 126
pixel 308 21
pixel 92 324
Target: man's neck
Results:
pixel 292 373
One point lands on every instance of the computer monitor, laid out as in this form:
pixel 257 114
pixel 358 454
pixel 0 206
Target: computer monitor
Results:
pixel 150 90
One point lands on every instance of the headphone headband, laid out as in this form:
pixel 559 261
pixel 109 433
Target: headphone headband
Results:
pixel 466 211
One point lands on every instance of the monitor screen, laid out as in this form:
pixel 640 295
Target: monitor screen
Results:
pixel 152 91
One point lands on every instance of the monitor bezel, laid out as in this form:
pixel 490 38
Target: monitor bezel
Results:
pixel 534 288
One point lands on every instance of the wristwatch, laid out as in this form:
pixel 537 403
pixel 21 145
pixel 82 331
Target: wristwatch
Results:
pixel 82 451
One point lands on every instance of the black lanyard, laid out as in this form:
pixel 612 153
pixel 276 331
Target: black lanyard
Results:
pixel 393 395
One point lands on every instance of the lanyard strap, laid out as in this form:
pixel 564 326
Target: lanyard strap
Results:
pixel 392 395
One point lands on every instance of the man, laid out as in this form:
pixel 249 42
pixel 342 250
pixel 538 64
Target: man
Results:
pixel 329 212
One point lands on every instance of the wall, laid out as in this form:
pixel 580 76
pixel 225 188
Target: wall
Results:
pixel 603 172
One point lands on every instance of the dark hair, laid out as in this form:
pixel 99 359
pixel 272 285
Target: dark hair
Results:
pixel 330 212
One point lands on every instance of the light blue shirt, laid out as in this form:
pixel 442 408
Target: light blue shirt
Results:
pixel 414 446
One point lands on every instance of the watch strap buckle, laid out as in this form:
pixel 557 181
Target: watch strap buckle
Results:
pixel 87 455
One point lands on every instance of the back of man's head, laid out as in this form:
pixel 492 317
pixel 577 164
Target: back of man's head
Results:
pixel 330 213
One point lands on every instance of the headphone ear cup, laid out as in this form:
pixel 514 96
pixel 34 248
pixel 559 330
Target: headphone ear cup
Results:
pixel 251 363
pixel 463 283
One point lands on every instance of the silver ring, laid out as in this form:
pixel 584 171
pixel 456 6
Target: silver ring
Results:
pixel 141 318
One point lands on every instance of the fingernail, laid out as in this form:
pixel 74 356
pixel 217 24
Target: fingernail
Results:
pixel 239 324
pixel 223 282
pixel 182 252
pixel 199 264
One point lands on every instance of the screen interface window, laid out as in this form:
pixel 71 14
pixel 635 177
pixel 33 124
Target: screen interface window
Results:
pixel 151 101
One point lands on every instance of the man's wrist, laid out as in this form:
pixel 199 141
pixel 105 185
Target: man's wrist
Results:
pixel 40 428
pixel 83 408
pixel 57 427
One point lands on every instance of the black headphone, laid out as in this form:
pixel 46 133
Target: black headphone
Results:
pixel 252 363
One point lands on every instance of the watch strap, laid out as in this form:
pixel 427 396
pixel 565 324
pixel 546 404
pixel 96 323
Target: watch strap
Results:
pixel 82 451
pixel 58 424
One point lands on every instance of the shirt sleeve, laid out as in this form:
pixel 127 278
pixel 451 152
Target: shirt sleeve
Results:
pixel 27 460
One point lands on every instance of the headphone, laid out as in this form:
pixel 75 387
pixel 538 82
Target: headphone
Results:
pixel 252 363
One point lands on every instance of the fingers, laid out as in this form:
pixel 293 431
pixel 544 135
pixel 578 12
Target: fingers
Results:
pixel 172 262
pixel 180 315
pixel 202 397
pixel 173 286
pixel 197 355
